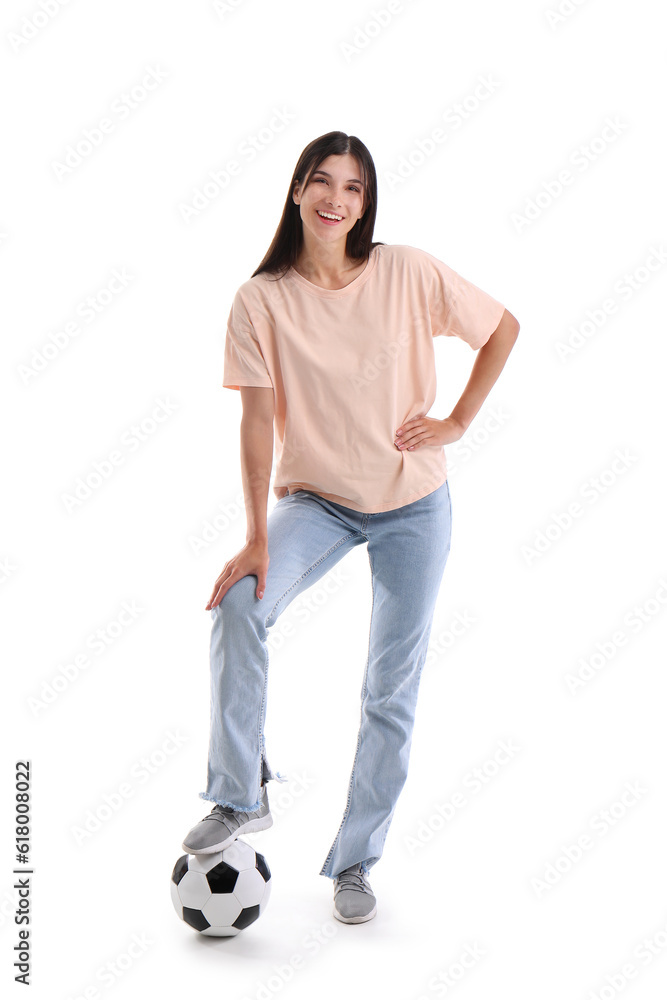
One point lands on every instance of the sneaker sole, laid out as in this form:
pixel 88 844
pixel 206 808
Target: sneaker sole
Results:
pixel 252 826
pixel 355 920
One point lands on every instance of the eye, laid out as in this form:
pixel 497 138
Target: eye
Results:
pixel 353 187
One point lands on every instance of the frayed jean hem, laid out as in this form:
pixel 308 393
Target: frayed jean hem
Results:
pixel 230 805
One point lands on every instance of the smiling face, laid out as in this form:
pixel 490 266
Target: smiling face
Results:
pixel 335 189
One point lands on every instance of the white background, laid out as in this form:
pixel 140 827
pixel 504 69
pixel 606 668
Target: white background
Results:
pixel 548 436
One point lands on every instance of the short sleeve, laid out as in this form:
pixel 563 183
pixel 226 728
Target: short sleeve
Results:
pixel 244 363
pixel 460 309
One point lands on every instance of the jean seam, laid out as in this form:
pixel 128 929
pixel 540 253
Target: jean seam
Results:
pixel 262 708
pixel 309 570
pixel 364 688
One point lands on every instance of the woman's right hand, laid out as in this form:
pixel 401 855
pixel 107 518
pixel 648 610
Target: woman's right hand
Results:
pixel 252 560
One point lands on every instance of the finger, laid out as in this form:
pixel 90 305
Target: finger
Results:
pixel 211 599
pixel 414 440
pixel 410 427
pixel 218 593
pixel 426 437
pixel 215 600
pixel 407 439
pixel 411 423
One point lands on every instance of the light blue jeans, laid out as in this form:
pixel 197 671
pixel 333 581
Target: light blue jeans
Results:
pixel 307 536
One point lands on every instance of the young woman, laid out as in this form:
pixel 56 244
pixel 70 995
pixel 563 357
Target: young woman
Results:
pixel 331 341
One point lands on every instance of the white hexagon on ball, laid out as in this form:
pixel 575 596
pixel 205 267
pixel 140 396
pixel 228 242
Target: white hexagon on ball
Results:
pixel 176 899
pixel 249 887
pixel 220 931
pixel 222 909
pixel 265 897
pixel 194 890
pixel 239 855
pixel 204 862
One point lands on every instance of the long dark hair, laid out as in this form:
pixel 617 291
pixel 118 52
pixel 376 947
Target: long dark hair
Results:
pixel 288 240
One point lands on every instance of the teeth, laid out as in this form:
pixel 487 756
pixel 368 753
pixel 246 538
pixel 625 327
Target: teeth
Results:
pixel 328 215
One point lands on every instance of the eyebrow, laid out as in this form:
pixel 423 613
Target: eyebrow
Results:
pixel 351 180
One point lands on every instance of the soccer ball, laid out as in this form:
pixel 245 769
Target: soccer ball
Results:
pixel 220 894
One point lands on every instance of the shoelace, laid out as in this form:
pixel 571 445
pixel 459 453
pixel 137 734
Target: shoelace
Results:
pixel 222 813
pixel 354 879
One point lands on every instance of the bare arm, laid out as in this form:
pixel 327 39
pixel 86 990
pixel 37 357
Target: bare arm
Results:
pixel 422 431
pixel 488 365
pixel 256 464
pixel 256 456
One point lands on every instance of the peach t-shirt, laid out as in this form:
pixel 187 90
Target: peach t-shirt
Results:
pixel 349 366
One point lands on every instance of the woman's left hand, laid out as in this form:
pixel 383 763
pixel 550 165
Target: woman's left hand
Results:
pixel 422 432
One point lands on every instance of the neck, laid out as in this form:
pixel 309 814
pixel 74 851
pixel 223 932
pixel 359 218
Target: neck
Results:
pixel 324 262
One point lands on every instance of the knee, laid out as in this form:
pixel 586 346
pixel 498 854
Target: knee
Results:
pixel 240 601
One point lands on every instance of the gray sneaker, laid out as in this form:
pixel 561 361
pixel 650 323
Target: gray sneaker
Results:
pixel 222 826
pixel 354 901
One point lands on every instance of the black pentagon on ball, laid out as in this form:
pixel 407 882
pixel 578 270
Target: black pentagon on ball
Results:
pixel 262 867
pixel 180 869
pixel 247 916
pixel 195 918
pixel 222 878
